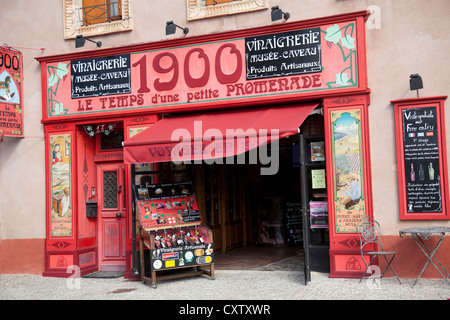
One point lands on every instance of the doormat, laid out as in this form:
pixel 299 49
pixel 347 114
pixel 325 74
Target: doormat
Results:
pixel 105 274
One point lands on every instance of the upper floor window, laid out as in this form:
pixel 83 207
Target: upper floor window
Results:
pixel 201 9
pixel 99 11
pixel 96 17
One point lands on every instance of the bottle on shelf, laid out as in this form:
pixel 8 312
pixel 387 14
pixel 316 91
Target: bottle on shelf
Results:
pixel 194 237
pixel 199 237
pixel 173 239
pixel 157 243
pixel 161 241
pixel 180 241
pixel 186 243
pixel 188 236
pixel 167 239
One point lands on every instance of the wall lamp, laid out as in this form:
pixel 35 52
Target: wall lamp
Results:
pixel 171 27
pixel 415 82
pixel 277 14
pixel 80 41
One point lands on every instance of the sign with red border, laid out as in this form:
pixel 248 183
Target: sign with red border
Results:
pixel 422 158
pixel 11 97
pixel 312 60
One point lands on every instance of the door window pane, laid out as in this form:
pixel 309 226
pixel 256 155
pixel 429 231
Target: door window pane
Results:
pixel 110 189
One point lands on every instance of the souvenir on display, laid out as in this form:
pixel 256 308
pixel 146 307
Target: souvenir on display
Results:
pixel 171 228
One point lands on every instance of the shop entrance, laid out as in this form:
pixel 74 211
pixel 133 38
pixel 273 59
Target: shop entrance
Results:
pixel 111 217
pixel 245 208
pixel 265 221
pixel 256 218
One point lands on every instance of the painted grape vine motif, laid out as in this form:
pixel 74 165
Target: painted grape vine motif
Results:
pixel 343 37
pixel 57 74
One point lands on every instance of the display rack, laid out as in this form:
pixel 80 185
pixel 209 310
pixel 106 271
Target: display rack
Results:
pixel 170 227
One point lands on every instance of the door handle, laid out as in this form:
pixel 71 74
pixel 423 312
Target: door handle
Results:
pixel 119 214
pixel 120 188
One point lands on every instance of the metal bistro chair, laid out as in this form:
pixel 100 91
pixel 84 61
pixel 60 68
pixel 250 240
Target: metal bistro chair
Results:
pixel 369 237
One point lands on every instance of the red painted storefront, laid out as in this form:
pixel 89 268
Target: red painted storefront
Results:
pixel 203 74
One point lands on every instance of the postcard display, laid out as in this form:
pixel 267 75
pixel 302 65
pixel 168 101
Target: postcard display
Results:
pixel 170 227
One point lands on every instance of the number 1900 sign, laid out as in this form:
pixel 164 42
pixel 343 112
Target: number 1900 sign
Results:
pixel 196 65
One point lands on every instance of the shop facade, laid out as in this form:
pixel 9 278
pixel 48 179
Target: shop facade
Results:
pixel 98 106
pixel 92 101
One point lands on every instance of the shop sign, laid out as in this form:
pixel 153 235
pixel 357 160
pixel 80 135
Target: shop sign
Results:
pixel 100 76
pixel 11 99
pixel 421 159
pixel 283 54
pixel 261 67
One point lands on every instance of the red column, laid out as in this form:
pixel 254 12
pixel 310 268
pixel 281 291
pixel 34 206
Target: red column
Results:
pixel 348 180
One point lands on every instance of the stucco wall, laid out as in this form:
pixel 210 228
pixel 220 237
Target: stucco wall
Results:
pixel 410 41
pixel 411 38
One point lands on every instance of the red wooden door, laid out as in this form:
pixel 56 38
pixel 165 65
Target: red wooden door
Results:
pixel 111 217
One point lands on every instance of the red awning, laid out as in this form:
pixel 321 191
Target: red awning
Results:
pixel 214 134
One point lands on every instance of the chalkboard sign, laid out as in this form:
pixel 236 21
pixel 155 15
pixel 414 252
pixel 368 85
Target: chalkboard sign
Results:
pixel 100 76
pixel 293 222
pixel 283 54
pixel 421 158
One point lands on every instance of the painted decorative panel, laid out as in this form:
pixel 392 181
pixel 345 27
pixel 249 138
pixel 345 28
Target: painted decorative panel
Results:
pixel 61 261
pixel 60 184
pixel 135 130
pixel 87 258
pixel 347 169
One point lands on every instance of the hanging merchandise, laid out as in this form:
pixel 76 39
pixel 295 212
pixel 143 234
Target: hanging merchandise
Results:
pixel 170 227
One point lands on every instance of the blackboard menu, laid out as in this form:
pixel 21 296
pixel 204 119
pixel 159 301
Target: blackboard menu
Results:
pixel 283 54
pixel 421 160
pixel 293 222
pixel 100 76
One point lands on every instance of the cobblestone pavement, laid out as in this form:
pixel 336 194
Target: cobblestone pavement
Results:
pixel 227 285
